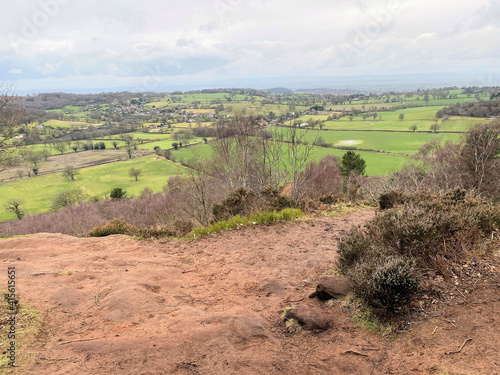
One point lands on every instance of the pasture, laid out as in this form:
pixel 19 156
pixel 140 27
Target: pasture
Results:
pixel 38 192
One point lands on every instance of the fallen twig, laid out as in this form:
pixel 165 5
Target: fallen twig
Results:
pixel 68 342
pixel 92 372
pixel 371 349
pixel 355 353
pixel 463 295
pixel 459 350
pixel 433 332
pixel 449 321
pixel 296 300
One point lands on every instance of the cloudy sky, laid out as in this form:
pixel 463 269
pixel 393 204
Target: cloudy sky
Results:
pixel 90 45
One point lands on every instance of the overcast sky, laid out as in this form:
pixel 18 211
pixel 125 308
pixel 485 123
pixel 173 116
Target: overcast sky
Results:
pixel 155 44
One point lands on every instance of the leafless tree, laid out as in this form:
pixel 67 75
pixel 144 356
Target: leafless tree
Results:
pixel 480 156
pixel 11 116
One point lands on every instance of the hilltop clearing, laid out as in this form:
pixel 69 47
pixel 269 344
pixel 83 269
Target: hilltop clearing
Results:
pixel 116 305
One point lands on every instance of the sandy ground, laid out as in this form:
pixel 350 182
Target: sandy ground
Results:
pixel 214 306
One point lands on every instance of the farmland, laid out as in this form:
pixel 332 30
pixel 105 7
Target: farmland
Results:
pixel 98 181
pixel 384 129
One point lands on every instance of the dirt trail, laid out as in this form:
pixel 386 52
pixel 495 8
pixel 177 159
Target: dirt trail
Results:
pixel 214 306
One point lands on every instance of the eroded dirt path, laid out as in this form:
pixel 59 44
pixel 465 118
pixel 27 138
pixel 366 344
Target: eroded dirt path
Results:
pixel 213 306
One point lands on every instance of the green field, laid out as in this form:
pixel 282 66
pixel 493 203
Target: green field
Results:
pixel 68 124
pixel 38 192
pixel 400 143
pixel 167 143
pixel 377 164
pixel 423 118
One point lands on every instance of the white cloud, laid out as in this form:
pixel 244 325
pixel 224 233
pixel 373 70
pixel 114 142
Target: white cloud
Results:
pixel 226 38
pixel 49 69
pixel 16 71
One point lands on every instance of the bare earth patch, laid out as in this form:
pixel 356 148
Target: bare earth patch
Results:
pixel 116 305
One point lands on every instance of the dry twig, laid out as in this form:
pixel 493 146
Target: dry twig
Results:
pixel 68 342
pixel 355 353
pixel 459 350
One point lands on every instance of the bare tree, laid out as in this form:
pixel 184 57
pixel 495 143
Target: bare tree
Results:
pixel 480 156
pixel 196 195
pixel 288 155
pixel 11 116
pixel 134 172
pixel 61 147
pixel 70 172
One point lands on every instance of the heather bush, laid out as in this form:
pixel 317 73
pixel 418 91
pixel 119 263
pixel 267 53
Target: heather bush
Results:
pixel 386 285
pixel 427 232
pixel 352 249
pixel 115 226
pixel 389 200
pixel 178 228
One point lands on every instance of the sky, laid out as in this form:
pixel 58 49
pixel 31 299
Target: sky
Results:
pixel 157 45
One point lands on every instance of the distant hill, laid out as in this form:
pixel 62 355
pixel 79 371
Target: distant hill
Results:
pixel 279 90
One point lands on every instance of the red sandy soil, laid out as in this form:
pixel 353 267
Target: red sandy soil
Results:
pixel 214 306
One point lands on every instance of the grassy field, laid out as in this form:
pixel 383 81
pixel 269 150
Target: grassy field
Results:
pixel 145 136
pixel 38 192
pixel 203 111
pixel 68 124
pixel 377 164
pixel 400 143
pixel 167 143
pixel 423 118
pixel 189 125
pixel 53 151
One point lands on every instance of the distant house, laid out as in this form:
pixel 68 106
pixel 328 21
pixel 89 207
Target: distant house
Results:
pixel 303 125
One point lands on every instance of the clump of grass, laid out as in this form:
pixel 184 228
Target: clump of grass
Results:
pixel 363 317
pixel 28 330
pixel 242 221
pixel 67 272
pixel 293 326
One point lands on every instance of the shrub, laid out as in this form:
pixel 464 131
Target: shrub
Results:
pixel 118 193
pixel 389 200
pixel 387 285
pixel 329 199
pixel 274 200
pixel 433 232
pixel 67 198
pixel 239 202
pixel 352 249
pixel 116 226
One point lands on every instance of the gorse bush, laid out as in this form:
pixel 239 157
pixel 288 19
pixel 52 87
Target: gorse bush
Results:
pixel 239 202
